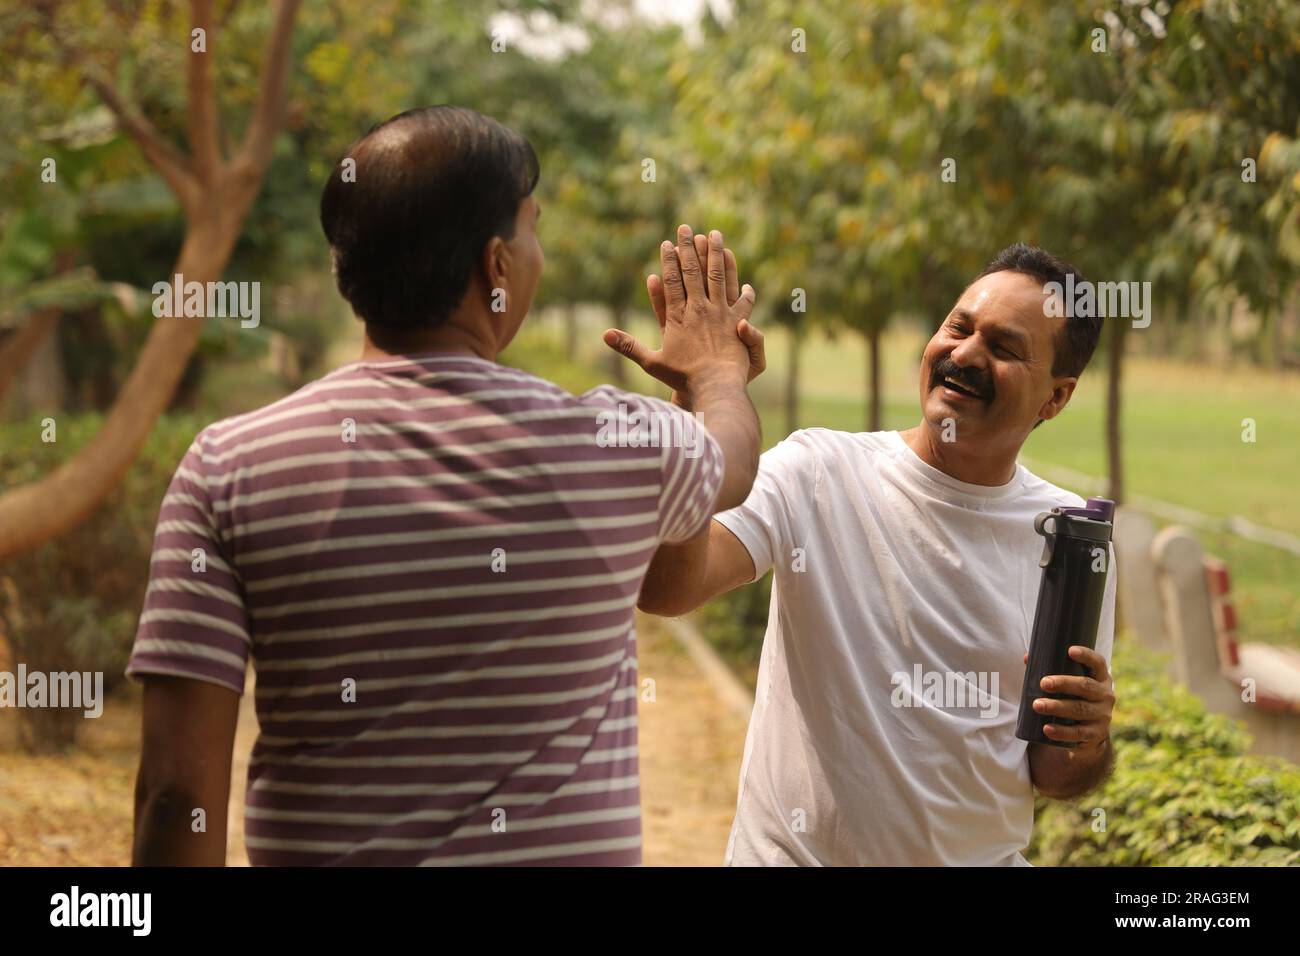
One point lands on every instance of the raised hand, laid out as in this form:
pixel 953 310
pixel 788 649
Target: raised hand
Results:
pixel 703 318
pixel 752 338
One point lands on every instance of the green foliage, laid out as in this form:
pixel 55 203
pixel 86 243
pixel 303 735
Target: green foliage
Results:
pixel 1183 793
pixel 541 354
pixel 73 603
pixel 735 624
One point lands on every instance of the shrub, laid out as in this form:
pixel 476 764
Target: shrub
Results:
pixel 72 603
pixel 735 624
pixel 1184 792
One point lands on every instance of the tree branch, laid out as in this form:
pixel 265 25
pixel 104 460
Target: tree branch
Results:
pixel 202 97
pixel 169 162
pixel 259 138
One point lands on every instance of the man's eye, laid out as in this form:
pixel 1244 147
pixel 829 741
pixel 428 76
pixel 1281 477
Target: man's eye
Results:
pixel 1007 352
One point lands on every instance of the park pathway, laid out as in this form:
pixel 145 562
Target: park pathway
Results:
pixel 691 740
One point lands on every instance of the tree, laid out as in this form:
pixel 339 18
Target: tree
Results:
pixel 214 191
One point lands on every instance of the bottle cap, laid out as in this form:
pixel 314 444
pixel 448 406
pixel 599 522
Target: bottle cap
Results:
pixel 1097 509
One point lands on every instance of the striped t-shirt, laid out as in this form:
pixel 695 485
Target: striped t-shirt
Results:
pixel 433 563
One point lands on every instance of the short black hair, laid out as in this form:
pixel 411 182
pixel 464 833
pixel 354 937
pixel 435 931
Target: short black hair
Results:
pixel 431 187
pixel 1074 346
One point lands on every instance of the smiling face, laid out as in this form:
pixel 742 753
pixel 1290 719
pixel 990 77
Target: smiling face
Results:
pixel 989 366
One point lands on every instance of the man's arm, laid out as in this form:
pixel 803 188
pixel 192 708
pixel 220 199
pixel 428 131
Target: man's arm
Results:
pixel 709 350
pixel 684 576
pixel 1063 773
pixel 187 742
pixel 737 480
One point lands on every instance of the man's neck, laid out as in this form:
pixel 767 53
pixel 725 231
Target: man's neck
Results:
pixel 453 337
pixel 973 466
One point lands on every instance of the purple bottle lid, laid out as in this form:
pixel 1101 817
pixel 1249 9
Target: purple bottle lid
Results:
pixel 1098 509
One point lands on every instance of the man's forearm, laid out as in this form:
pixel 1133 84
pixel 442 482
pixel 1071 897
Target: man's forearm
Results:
pixel 725 409
pixel 1063 773
pixel 166 834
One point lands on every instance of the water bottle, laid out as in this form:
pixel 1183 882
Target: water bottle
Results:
pixel 1075 563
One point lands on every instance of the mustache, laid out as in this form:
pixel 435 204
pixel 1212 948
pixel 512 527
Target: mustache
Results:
pixel 977 381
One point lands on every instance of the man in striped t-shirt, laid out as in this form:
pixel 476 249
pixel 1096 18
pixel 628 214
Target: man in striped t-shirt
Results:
pixel 432 561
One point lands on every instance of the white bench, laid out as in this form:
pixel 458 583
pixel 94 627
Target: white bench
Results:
pixel 1257 683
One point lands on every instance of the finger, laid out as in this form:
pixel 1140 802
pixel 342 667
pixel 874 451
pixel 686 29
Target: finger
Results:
pixel 1025 659
pixel 702 247
pixel 1084 687
pixel 753 340
pixel 655 286
pixel 630 348
pixel 1071 709
pixel 674 290
pixel 1092 730
pixel 733 276
pixel 744 306
pixel 1090 659
pixel 692 271
pixel 717 268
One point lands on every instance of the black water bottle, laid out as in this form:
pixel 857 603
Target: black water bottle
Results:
pixel 1075 563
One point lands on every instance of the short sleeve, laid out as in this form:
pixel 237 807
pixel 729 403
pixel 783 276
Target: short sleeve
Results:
pixel 194 623
pixel 691 463
pixel 780 501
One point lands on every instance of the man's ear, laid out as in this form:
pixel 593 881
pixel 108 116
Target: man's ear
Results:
pixel 496 265
pixel 1060 397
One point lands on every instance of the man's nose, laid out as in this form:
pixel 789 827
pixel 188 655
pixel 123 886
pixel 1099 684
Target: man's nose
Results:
pixel 968 352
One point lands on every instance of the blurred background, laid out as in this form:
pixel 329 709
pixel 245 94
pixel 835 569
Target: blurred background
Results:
pixel 865 159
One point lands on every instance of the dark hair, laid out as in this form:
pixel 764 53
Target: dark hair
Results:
pixel 1074 346
pixel 431 187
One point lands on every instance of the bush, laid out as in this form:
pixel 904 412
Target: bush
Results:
pixel 1184 793
pixel 72 604
pixel 735 624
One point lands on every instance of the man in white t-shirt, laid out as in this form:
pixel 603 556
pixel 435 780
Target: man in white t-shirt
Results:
pixel 903 559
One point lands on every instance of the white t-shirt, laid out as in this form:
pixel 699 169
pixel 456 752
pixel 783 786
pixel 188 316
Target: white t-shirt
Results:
pixel 916 589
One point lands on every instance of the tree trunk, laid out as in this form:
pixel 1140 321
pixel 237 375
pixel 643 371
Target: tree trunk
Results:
pixel 1114 449
pixel 215 196
pixel 571 330
pixel 58 502
pixel 873 379
pixel 1262 345
pixel 44 386
pixel 18 348
pixel 792 382
pixel 1277 339
pixel 1204 331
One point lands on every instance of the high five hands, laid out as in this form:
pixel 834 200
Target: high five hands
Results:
pixel 703 317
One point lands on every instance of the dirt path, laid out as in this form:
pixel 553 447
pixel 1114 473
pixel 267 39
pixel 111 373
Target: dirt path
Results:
pixel 76 810
pixel 691 745
pixel 245 736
